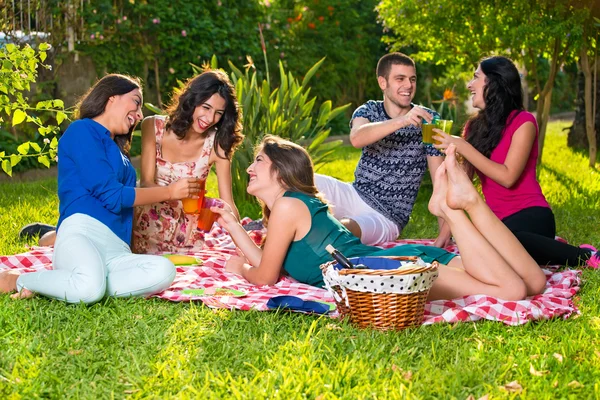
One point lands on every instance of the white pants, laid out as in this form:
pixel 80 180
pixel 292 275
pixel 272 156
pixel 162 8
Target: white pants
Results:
pixel 346 203
pixel 90 261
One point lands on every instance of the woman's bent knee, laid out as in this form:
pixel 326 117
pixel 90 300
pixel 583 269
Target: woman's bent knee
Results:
pixel 516 291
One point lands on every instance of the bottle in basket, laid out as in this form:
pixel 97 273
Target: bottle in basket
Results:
pixel 339 257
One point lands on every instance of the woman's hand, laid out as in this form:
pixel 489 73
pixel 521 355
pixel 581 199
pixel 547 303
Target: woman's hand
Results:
pixel 184 188
pixel 235 264
pixel 445 140
pixel 227 218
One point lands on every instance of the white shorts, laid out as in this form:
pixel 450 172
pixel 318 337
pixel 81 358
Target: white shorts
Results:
pixel 346 203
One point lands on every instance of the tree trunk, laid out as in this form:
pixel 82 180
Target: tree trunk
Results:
pixel 577 137
pixel 157 78
pixel 588 100
pixel 543 120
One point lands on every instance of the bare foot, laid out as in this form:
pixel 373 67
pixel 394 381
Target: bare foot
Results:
pixel 461 192
pixel 437 203
pixel 8 281
pixel 23 294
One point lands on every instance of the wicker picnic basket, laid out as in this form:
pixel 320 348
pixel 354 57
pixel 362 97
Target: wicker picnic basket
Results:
pixel 382 309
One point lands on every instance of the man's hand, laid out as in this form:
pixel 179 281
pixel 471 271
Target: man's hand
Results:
pixel 415 117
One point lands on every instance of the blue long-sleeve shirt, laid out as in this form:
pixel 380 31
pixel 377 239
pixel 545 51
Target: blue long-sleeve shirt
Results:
pixel 95 178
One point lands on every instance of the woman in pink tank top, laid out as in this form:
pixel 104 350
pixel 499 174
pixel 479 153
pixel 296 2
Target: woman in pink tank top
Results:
pixel 500 144
pixel 202 129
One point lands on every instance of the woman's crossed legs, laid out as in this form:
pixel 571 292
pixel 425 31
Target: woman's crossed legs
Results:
pixel 492 261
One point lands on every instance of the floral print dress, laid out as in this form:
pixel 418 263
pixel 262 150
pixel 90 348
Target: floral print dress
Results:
pixel 164 227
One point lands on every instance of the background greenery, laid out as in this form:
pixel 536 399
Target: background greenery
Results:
pixel 135 348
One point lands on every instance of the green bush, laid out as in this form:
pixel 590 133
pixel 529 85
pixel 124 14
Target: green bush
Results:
pixel 160 39
pixel 18 72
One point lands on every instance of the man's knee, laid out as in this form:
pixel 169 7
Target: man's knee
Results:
pixel 352 226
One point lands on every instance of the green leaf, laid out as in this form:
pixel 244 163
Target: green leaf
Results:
pixel 338 110
pixel 10 48
pixel 7 65
pixel 311 72
pixel 235 70
pixel 14 159
pixel 6 167
pixel 44 160
pixel 58 103
pixel 154 109
pixel 44 46
pixel 324 112
pixel 18 117
pixel 36 146
pixel 42 56
pixel 60 117
pixel 213 62
pixel 54 143
pixel 23 148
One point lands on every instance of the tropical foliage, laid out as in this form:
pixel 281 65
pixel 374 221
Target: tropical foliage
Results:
pixel 286 111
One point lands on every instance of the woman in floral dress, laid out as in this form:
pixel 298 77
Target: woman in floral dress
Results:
pixel 202 128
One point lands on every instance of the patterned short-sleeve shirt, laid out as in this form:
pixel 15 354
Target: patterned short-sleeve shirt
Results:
pixel 389 172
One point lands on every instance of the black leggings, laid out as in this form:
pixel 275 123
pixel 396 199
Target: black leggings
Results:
pixel 535 228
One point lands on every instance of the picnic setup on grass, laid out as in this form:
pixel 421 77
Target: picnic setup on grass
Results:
pixel 201 277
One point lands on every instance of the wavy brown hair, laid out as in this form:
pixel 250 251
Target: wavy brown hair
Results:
pixel 502 94
pixel 93 102
pixel 292 165
pixel 196 92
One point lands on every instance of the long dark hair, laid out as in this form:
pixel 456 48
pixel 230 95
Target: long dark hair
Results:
pixel 197 91
pixel 93 102
pixel 293 166
pixel 502 94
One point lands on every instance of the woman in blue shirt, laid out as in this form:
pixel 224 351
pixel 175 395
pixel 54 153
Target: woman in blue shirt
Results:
pixel 97 193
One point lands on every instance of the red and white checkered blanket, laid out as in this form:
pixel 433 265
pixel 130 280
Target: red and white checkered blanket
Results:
pixel 555 301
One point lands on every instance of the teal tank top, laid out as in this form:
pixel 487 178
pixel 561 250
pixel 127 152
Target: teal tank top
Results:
pixel 305 256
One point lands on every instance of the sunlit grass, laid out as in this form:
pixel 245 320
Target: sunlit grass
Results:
pixel 155 349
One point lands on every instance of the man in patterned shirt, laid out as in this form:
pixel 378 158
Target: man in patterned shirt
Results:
pixel 377 205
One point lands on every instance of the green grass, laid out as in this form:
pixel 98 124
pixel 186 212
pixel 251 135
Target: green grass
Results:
pixel 156 349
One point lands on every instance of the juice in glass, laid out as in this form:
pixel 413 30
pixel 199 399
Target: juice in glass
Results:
pixel 193 206
pixel 444 125
pixel 207 218
pixel 427 131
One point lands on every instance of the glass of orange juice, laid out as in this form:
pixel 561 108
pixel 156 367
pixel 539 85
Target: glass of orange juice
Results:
pixel 191 205
pixel 206 218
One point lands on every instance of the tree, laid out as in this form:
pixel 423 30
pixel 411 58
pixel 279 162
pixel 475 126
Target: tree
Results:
pixel 589 71
pixel 449 32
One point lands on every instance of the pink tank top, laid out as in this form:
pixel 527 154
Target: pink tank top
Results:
pixel 526 192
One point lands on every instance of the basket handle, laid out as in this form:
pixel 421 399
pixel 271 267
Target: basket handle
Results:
pixel 400 258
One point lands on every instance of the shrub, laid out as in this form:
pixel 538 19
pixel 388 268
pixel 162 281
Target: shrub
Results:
pixel 285 111
pixel 18 71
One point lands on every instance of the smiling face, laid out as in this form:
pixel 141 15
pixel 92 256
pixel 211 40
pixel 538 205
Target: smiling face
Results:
pixel 208 114
pixel 400 86
pixel 476 86
pixel 260 176
pixel 125 111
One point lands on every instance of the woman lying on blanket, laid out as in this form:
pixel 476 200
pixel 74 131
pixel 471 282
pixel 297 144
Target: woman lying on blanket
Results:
pixel 492 261
pixel 202 129
pixel 501 145
pixel 97 193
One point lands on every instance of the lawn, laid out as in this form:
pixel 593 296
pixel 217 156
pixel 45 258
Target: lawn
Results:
pixel 155 349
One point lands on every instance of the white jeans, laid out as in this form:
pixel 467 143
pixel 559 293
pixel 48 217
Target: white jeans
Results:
pixel 346 203
pixel 90 261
